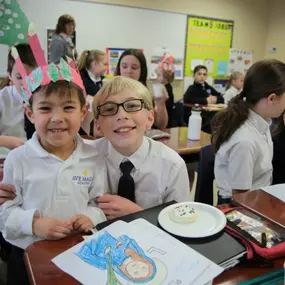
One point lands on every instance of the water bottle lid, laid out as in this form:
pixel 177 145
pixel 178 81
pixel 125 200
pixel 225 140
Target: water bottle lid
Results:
pixel 196 108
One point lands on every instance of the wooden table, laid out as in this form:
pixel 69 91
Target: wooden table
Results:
pixel 43 272
pixel 209 107
pixel 179 142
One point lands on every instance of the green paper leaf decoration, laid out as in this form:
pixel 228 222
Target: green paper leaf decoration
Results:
pixel 36 80
pixel 53 72
pixel 13 23
pixel 25 95
pixel 65 70
pixel 29 83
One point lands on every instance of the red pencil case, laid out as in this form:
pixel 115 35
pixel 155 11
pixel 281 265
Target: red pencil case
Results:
pixel 262 238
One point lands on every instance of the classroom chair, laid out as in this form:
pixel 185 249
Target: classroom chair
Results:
pixel 177 117
pixel 204 188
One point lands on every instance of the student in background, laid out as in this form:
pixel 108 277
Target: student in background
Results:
pixel 62 44
pixel 132 63
pixel 5 82
pixel 234 86
pixel 12 120
pixel 278 137
pixel 200 92
pixel 74 174
pixel 165 76
pixel 92 65
pixel 142 173
pixel 241 134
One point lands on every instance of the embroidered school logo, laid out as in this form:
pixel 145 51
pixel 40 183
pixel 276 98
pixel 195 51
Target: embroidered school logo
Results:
pixel 82 179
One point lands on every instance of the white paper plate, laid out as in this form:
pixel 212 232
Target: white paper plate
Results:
pixel 210 221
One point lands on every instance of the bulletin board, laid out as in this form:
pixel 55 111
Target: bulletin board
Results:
pixel 208 42
pixel 113 55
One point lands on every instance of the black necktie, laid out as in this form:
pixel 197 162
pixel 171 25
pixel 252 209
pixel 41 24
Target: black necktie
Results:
pixel 126 186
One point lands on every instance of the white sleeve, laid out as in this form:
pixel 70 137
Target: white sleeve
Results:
pixel 228 96
pixel 14 220
pixel 242 157
pixel 178 187
pixel 99 187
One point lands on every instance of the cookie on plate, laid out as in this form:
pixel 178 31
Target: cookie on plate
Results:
pixel 183 214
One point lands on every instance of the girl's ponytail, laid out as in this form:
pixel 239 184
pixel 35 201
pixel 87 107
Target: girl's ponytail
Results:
pixel 225 123
pixel 82 60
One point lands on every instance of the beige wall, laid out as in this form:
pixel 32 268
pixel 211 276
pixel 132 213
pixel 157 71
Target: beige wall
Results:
pixel 276 34
pixel 250 19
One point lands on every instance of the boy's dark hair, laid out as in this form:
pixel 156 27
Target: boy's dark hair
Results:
pixel 26 55
pixel 62 21
pixel 141 58
pixel 199 67
pixel 61 87
pixel 263 78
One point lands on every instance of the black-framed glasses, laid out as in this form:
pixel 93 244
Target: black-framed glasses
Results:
pixel 130 106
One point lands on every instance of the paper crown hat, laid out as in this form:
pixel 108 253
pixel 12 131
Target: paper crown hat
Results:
pixel 44 73
pixel 167 63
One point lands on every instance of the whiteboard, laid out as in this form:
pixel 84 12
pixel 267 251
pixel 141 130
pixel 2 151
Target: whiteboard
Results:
pixel 99 26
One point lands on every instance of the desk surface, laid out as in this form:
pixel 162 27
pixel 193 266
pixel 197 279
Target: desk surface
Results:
pixel 179 142
pixel 43 272
pixel 210 107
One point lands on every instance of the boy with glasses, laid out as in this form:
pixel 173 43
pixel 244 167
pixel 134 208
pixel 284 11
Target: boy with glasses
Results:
pixel 142 173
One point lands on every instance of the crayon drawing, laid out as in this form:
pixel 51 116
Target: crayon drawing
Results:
pixel 124 261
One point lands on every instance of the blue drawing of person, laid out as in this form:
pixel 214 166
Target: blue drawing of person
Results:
pixel 128 259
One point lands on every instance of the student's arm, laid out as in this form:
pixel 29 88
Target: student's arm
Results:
pixel 220 98
pixel 93 215
pixel 115 206
pixel 7 192
pixel 178 187
pixel 10 142
pixel 193 96
pixel 14 220
pixel 57 50
pixel 241 163
pixel 160 111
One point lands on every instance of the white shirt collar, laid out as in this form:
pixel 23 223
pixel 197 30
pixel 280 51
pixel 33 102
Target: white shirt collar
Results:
pixel 262 125
pixel 95 80
pixel 136 158
pixel 82 150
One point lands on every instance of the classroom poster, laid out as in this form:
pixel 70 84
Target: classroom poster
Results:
pixel 208 42
pixel 240 60
pixel 113 55
pixel 178 66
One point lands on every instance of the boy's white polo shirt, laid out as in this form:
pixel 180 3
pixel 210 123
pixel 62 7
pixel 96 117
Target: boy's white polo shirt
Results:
pixel 52 187
pixel 12 113
pixel 159 173
pixel 245 160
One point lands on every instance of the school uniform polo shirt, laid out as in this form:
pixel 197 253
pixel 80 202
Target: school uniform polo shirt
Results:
pixel 244 162
pixel 51 187
pixel 230 94
pixel 159 173
pixel 11 113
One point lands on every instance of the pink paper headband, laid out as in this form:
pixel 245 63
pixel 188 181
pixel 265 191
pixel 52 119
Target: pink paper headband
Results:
pixel 44 73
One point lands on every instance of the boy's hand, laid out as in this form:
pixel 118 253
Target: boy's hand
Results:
pixel 81 223
pixel 7 192
pixel 50 228
pixel 115 206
